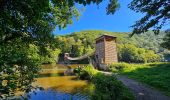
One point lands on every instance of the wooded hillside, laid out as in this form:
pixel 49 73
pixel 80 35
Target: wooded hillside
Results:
pixel 135 48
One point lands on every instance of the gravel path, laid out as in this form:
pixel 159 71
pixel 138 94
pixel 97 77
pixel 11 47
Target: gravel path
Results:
pixel 141 91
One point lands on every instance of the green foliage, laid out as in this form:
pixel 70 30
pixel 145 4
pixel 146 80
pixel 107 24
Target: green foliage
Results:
pixel 150 56
pixel 118 67
pixel 132 54
pixel 90 71
pixel 154 74
pixel 150 41
pixel 77 71
pixel 51 56
pixel 112 6
pixel 156 15
pixel 166 43
pixel 109 88
pixel 19 65
pixel 86 73
pixel 72 45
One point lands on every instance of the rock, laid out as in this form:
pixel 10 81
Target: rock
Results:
pixel 68 72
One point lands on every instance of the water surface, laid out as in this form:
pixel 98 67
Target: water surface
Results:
pixel 60 87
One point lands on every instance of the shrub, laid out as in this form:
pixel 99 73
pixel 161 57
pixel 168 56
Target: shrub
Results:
pixel 86 73
pixel 77 70
pixel 118 67
pixel 109 88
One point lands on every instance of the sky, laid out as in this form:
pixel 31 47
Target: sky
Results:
pixel 95 18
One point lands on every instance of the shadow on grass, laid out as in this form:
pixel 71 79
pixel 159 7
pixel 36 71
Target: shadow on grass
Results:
pixel 155 75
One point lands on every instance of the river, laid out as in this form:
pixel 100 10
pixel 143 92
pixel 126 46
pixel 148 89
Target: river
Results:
pixel 59 87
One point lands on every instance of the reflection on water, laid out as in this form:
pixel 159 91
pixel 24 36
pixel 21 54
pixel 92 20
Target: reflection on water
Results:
pixel 63 83
pixel 60 66
pixel 56 95
pixel 59 87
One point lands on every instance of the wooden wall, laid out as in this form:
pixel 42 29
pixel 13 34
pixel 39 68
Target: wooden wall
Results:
pixel 110 50
pixel 106 50
pixel 100 51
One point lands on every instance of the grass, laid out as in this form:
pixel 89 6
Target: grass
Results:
pixel 156 75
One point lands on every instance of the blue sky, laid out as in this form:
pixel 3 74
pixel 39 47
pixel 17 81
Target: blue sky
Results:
pixel 95 18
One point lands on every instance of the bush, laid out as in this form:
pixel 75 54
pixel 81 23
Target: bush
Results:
pixel 109 88
pixel 85 73
pixel 118 67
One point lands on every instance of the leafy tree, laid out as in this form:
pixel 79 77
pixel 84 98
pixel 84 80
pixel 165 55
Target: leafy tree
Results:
pixel 78 48
pixel 166 43
pixel 156 14
pixel 132 54
pixel 127 53
pixel 89 50
pixel 149 41
pixel 150 56
pixel 19 64
pixel 51 56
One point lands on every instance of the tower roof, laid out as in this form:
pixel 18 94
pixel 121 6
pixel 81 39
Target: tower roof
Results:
pixel 104 36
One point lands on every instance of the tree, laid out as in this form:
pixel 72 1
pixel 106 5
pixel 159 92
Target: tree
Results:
pixel 157 13
pixel 19 65
pixel 166 39
pixel 132 54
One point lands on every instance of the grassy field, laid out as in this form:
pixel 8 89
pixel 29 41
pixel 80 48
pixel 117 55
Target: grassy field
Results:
pixel 156 75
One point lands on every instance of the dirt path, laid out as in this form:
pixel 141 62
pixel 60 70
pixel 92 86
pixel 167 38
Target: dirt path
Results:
pixel 140 91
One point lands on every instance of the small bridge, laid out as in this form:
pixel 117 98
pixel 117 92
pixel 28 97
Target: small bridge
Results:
pixel 78 58
pixel 105 51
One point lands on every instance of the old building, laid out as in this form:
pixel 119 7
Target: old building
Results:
pixel 106 52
